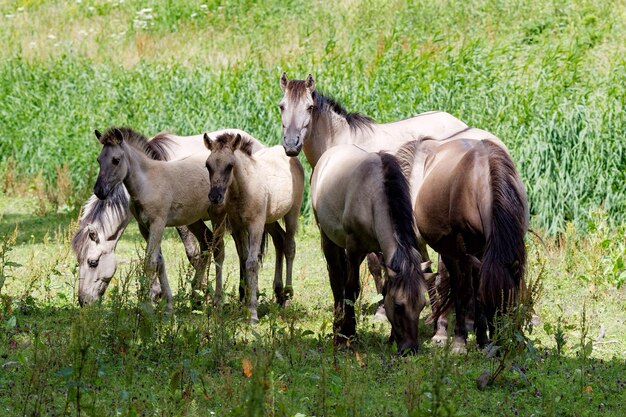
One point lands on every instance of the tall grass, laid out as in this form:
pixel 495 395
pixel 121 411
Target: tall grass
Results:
pixel 547 77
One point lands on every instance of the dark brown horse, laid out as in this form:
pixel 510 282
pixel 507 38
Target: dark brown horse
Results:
pixel 470 206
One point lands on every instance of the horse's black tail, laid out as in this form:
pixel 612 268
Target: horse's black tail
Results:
pixel 504 259
pixel 406 260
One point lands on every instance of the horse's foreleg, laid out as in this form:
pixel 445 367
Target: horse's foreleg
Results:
pixel 353 285
pixel 337 265
pixel 242 253
pixel 155 285
pixel 278 238
pixel 218 256
pixel 374 264
pixel 154 257
pixel 255 236
pixel 291 228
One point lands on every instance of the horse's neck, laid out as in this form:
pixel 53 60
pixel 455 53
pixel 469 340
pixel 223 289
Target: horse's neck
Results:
pixel 136 177
pixel 329 129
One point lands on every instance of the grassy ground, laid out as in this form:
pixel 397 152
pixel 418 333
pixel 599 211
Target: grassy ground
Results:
pixel 126 358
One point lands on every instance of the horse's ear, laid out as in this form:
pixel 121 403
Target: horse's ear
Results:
pixel 208 143
pixel 283 81
pixel 118 135
pixel 237 141
pixel 98 134
pixel 93 233
pixel 310 83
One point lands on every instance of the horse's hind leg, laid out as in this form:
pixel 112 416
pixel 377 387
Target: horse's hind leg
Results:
pixel 374 264
pixel 460 293
pixel 442 284
pixel 278 238
pixel 480 322
pixel 337 265
pixel 199 283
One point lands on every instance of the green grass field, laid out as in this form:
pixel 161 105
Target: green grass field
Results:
pixel 548 77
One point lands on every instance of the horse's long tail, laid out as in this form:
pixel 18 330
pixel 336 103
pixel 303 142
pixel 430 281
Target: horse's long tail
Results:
pixel 406 260
pixel 504 259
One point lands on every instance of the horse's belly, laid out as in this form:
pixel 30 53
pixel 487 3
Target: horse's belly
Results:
pixel 329 216
pixel 280 198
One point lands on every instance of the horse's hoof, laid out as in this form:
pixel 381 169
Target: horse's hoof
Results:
pixel 459 349
pixel 288 291
pixel 254 318
pixel 286 303
pixel 440 339
pixel 380 314
pixel 469 325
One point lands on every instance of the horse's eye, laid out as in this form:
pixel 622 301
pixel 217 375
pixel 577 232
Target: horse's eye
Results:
pixel 116 161
pixel 398 307
pixel 310 108
pixel 93 263
pixel 229 168
pixel 281 107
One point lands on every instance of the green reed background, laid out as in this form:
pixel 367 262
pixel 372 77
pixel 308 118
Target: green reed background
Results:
pixel 547 77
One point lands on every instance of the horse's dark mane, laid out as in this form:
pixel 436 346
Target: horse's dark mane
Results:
pixel 296 88
pixel 155 149
pixel 227 139
pixel 105 215
pixel 406 260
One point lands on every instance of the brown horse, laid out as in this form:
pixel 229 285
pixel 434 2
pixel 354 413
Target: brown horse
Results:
pixel 471 207
pixel 255 191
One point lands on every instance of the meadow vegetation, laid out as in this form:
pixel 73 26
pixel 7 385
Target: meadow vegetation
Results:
pixel 548 77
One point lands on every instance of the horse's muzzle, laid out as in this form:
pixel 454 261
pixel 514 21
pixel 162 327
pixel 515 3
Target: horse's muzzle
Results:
pixel 216 196
pixel 101 190
pixel 292 150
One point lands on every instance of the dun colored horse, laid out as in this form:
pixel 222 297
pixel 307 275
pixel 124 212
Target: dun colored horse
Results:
pixel 361 204
pixel 471 207
pixel 255 191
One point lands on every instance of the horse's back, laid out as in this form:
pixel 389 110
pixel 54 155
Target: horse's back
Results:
pixel 435 124
pixel 283 179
